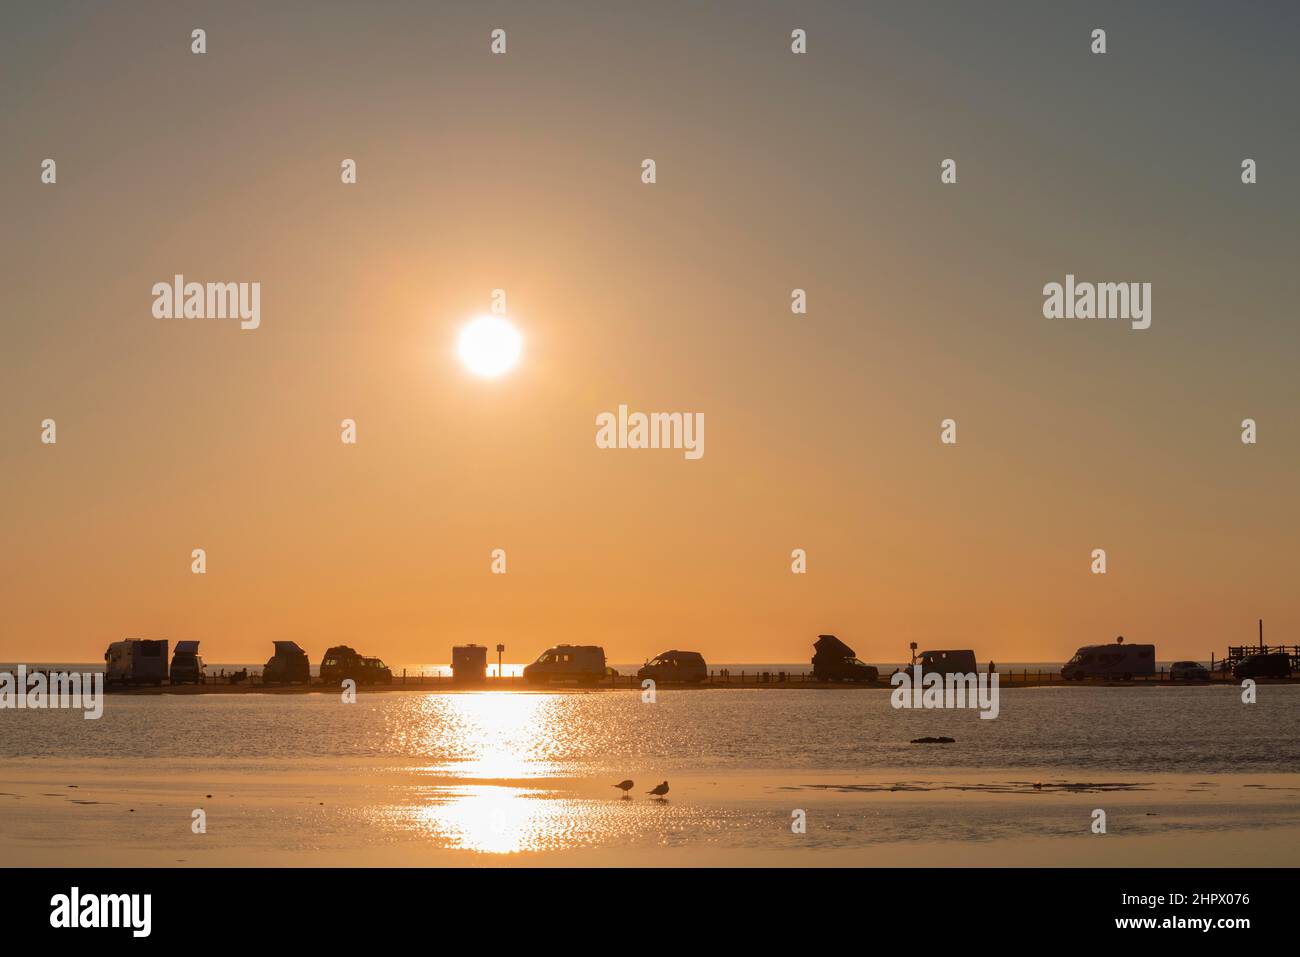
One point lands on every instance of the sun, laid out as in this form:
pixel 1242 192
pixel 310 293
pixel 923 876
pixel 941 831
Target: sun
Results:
pixel 489 346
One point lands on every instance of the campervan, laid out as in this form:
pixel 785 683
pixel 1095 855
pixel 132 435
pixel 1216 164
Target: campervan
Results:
pixel 960 662
pixel 187 666
pixel 833 660
pixel 583 663
pixel 289 665
pixel 136 661
pixel 341 662
pixel 1116 660
pixel 686 667
pixel 469 663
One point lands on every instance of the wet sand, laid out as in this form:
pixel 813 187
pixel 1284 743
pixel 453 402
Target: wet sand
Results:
pixel 56 812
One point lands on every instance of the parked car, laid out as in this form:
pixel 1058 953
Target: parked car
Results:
pixel 1116 660
pixel 1188 671
pixel 581 663
pixel 187 666
pixel 685 667
pixel 948 662
pixel 342 662
pixel 1268 665
pixel 833 660
pixel 136 661
pixel 289 665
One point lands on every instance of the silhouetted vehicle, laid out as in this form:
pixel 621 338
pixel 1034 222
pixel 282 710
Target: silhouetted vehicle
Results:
pixel 136 661
pixel 961 662
pixel 581 663
pixel 1116 660
pixel 1270 665
pixel 289 665
pixel 1188 671
pixel 342 662
pixel 833 660
pixel 187 666
pixel 469 663
pixel 686 667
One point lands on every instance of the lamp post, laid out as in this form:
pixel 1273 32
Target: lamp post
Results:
pixel 500 650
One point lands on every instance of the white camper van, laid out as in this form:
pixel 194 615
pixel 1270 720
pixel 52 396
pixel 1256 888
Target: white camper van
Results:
pixel 583 663
pixel 1116 660
pixel 136 661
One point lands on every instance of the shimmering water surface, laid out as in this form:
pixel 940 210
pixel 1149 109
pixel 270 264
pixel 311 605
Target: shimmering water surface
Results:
pixel 501 772
pixel 509 734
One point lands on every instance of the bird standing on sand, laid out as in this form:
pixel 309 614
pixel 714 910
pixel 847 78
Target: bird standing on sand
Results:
pixel 659 791
pixel 625 786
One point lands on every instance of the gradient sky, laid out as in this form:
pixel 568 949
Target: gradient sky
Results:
pixel 775 171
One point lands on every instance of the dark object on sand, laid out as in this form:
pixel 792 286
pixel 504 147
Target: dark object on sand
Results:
pixel 289 665
pixel 934 740
pixel 341 662
pixel 833 660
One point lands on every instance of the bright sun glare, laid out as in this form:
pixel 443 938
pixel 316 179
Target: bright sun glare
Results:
pixel 489 346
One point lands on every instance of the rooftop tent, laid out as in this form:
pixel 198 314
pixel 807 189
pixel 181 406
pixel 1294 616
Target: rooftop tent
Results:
pixel 287 648
pixel 831 647
pixel 187 647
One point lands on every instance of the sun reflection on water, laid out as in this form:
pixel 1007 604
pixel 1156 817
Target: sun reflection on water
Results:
pixel 488 734
pixel 481 791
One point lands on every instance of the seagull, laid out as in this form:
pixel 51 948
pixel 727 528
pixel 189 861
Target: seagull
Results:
pixel 659 791
pixel 625 786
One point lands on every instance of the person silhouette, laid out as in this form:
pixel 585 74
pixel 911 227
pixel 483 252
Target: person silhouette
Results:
pixel 992 667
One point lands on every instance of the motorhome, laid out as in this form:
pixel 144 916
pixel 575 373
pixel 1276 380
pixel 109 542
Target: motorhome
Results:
pixel 686 667
pixel 582 663
pixel 136 661
pixel 1116 660
pixel 960 662
pixel 187 666
pixel 289 665
pixel 342 662
pixel 833 660
pixel 469 663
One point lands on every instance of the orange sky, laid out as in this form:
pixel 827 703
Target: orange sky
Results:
pixel 522 172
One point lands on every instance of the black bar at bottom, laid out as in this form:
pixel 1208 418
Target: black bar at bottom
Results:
pixel 223 906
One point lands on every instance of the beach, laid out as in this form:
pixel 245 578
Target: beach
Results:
pixel 364 814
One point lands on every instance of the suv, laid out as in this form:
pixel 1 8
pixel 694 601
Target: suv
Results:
pixel 1270 665
pixel 341 662
pixel 1188 671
